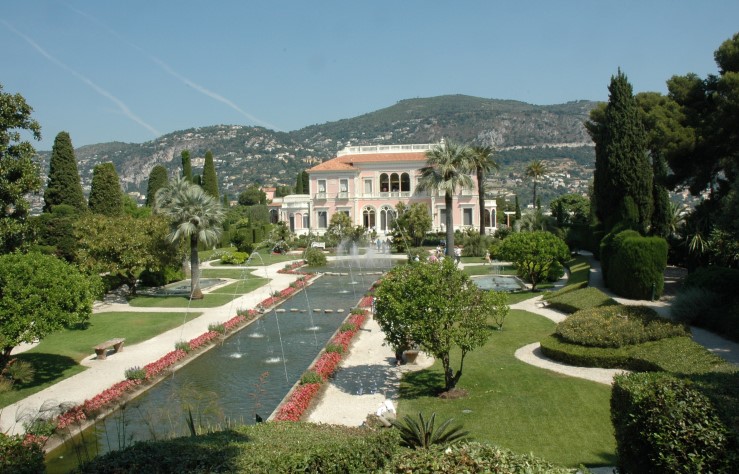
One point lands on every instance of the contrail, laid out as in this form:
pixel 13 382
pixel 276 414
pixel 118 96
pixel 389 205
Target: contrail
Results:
pixel 167 68
pixel 122 106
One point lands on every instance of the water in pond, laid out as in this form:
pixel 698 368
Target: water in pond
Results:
pixel 245 376
pixel 498 282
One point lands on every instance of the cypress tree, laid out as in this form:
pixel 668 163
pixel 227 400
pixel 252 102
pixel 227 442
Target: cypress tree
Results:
pixel 64 185
pixel 299 183
pixel 186 166
pixel 210 181
pixel 106 196
pixel 622 166
pixel 661 214
pixel 517 209
pixel 158 178
pixel 306 178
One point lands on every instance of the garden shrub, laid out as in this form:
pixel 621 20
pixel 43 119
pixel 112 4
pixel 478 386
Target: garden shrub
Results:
pixel 579 299
pixel 637 266
pixel 315 257
pixel 20 457
pixel 474 244
pixel 608 246
pixel 234 258
pixel 556 271
pixel 721 280
pixel 617 326
pixel 183 346
pixel 135 373
pixel 310 377
pixel 338 348
pixel 417 252
pixel 470 457
pixel 161 277
pixel 663 424
pixel 709 300
pixel 217 327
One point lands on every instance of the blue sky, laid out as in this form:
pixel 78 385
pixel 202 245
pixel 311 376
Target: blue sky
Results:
pixel 132 70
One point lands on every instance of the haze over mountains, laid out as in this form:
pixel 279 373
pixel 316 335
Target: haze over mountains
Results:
pixel 245 154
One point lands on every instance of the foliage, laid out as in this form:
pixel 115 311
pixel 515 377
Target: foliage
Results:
pixel 446 171
pixel 621 161
pixel 217 327
pixel 617 326
pixel 194 215
pixel 535 170
pixel 570 209
pixel 533 253
pixel 186 166
pixel 410 225
pixel 342 230
pixel 334 348
pixel 680 355
pixel 40 294
pixel 252 195
pixel 446 310
pixel 708 307
pixel 161 276
pixel 55 233
pixel 234 258
pixel 422 434
pixel 183 346
pixel 315 257
pixel 135 373
pixel 158 178
pixel 19 456
pixel 310 377
pixel 664 424
pixel 636 265
pixel 210 180
pixel 123 246
pixel 466 457
pixel 106 196
pixel 475 244
pixel 482 161
pixel 576 298
pixel 19 174
pixel 63 183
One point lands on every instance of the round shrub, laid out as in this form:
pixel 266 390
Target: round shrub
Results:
pixel 315 257
pixel 234 258
pixel 617 326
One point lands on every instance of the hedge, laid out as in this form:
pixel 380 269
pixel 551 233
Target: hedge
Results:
pixel 664 424
pixel 709 300
pixel 637 266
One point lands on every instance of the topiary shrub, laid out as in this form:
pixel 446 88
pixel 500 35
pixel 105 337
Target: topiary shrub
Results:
pixel 637 266
pixel 617 326
pixel 663 424
pixel 315 257
pixel 234 258
pixel 608 247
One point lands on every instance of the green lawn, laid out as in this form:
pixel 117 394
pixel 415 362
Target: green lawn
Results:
pixel 518 406
pixel 57 356
pixel 227 271
pixel 263 258
pixel 213 299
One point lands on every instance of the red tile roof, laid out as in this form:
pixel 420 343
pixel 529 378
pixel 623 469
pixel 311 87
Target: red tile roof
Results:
pixel 346 162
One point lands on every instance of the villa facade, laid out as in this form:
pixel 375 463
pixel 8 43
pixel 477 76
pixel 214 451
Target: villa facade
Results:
pixel 366 183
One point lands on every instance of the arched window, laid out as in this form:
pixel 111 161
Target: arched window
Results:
pixel 394 182
pixel 387 217
pixel 368 217
pixel 487 220
pixel 405 182
pixel 274 216
pixel 384 183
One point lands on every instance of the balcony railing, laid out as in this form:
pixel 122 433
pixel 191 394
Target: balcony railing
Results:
pixel 342 195
pixel 321 195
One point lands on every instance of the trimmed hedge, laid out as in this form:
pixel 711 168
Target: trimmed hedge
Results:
pixel 617 326
pixel 636 265
pixel 579 299
pixel 608 248
pixel 664 424
pixel 678 355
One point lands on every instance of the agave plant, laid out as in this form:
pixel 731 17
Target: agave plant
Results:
pixel 422 434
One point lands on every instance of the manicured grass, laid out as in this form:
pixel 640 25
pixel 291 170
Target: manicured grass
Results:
pixel 263 258
pixel 227 271
pixel 58 355
pixel 517 406
pixel 579 270
pixel 213 299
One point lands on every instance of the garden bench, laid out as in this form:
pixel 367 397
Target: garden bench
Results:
pixel 101 350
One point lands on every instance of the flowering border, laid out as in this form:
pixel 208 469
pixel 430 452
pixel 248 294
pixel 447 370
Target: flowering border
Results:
pixel 291 267
pixel 325 366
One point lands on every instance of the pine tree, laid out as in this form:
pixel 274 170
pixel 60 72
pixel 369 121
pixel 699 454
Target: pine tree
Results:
pixel 64 185
pixel 106 196
pixel 158 178
pixel 622 166
pixel 186 166
pixel 210 180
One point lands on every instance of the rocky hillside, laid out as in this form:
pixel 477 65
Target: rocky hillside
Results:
pixel 245 155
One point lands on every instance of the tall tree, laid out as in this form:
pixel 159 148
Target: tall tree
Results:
pixel 536 170
pixel 623 175
pixel 106 195
pixel 252 195
pixel 195 216
pixel 158 178
pixel 19 174
pixel 306 180
pixel 299 183
pixel 63 186
pixel 210 179
pixel 186 166
pixel 483 162
pixel 447 169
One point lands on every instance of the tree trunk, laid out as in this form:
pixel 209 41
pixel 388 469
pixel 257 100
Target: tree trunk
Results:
pixel 449 225
pixel 534 193
pixel 195 292
pixel 449 381
pixel 481 198
pixel 5 357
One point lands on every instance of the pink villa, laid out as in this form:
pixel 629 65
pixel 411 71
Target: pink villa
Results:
pixel 366 182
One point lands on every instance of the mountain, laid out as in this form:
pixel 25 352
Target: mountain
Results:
pixel 245 155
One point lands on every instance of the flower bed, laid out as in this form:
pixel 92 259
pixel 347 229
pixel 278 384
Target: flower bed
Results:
pixel 290 267
pixel 299 401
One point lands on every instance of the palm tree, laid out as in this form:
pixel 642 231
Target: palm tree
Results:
pixel 194 215
pixel 481 160
pixel 536 170
pixel 447 168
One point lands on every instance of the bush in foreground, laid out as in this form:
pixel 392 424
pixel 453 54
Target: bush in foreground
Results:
pixel 315 257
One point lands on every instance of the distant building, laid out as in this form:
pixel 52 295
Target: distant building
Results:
pixel 366 182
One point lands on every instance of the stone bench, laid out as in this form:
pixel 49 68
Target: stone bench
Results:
pixel 101 350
